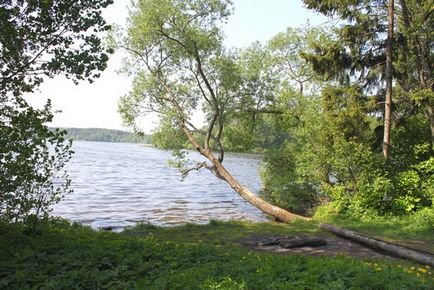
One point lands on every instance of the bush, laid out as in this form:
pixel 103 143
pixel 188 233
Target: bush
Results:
pixel 32 158
pixel 283 184
pixel 351 174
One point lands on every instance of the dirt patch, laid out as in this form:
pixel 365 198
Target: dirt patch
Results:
pixel 335 245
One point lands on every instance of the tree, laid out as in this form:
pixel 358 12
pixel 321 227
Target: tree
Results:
pixel 32 158
pixel 282 99
pixel 50 37
pixel 416 59
pixel 358 61
pixel 389 80
pixel 38 39
pixel 286 48
pixel 361 51
pixel 179 63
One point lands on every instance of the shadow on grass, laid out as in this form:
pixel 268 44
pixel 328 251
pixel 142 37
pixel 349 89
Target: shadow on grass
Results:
pixel 219 232
pixel 58 255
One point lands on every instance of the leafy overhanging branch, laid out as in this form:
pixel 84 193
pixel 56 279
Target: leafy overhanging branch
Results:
pixel 183 66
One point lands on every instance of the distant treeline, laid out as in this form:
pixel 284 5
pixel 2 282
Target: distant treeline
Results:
pixel 106 135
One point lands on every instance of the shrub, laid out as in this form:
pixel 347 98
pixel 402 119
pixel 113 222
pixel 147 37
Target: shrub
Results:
pixel 32 159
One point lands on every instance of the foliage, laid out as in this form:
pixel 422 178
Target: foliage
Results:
pixel 254 133
pixel 225 283
pixel 271 75
pixel 178 71
pixel 106 135
pixel 179 65
pixel 47 38
pixel 168 136
pixel 311 99
pixel 290 174
pixel 333 154
pixel 334 144
pixel 31 161
pixel 285 49
pixel 55 254
pixel 41 38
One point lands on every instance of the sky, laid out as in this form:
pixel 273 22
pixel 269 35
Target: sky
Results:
pixel 95 105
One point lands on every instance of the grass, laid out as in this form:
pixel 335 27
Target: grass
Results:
pixel 218 232
pixel 58 255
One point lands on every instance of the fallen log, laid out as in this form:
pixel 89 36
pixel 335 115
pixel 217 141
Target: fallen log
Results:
pixel 294 242
pixel 299 243
pixel 273 242
pixel 376 244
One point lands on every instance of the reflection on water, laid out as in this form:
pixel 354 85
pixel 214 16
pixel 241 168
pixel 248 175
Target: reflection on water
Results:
pixel 118 184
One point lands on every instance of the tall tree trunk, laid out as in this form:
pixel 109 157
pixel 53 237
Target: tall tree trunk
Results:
pixel 389 80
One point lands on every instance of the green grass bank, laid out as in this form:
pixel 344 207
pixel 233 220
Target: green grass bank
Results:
pixel 58 255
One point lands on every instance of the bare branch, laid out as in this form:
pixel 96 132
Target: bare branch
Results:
pixel 264 111
pixel 197 167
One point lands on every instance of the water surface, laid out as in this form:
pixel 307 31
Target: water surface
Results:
pixel 119 184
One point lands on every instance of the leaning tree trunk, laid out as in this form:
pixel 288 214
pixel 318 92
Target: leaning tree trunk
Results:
pixel 272 210
pixel 220 171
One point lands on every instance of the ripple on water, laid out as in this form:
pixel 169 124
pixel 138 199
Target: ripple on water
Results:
pixel 118 184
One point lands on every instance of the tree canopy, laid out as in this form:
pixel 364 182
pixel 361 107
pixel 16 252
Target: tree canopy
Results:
pixel 50 37
pixel 38 39
pixel 180 65
pixel 312 100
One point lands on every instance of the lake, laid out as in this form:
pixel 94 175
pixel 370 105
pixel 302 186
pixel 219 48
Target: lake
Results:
pixel 120 184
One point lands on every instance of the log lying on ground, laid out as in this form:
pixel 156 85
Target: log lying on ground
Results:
pixel 376 244
pixel 299 243
pixel 294 242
